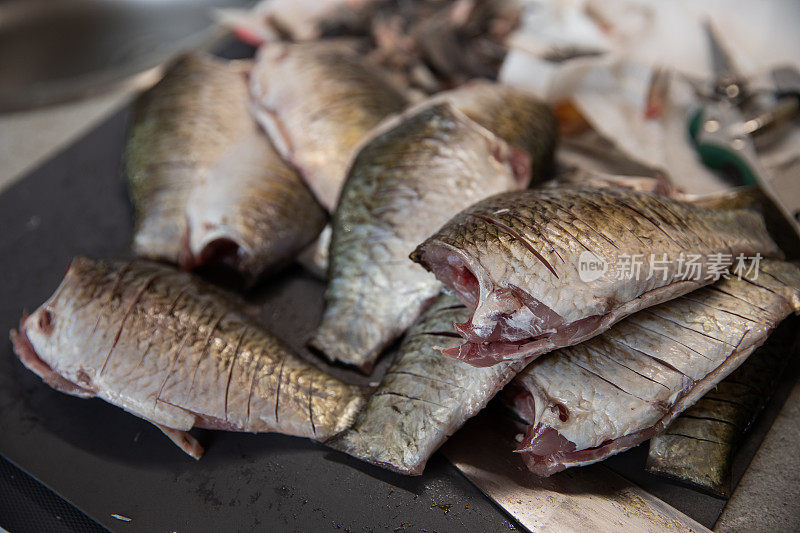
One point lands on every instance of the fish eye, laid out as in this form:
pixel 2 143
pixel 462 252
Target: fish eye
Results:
pixel 46 321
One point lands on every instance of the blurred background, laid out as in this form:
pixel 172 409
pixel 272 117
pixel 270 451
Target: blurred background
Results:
pixel 630 71
pixel 65 64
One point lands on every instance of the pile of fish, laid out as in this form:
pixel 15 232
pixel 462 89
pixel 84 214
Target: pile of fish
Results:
pixel 432 222
pixel 588 401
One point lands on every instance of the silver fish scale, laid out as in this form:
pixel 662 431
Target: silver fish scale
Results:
pixel 513 115
pixel 318 101
pixel 424 396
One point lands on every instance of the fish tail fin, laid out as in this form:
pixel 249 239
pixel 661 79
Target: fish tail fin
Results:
pixel 382 449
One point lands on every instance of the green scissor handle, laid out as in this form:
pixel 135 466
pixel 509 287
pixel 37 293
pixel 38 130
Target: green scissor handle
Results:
pixel 695 124
pixel 722 158
pixel 717 153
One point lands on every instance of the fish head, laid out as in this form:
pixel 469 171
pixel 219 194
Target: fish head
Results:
pixel 44 342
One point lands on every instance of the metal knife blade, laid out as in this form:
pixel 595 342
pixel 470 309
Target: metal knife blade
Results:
pixel 587 499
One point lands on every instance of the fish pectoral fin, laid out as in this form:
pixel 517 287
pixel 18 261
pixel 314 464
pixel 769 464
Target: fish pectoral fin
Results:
pixel 175 422
pixel 183 440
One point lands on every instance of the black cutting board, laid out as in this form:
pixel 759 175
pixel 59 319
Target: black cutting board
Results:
pixel 106 461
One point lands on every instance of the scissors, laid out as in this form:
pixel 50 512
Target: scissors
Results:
pixel 725 128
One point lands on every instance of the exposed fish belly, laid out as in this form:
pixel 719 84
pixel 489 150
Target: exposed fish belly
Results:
pixel 424 396
pixel 318 101
pixel 180 128
pixel 406 181
pixel 608 394
pixel 516 258
pixel 169 348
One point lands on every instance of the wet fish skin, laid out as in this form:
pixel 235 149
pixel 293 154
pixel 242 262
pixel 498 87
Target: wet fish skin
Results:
pixel 405 182
pixel 175 351
pixel 318 101
pixel 517 117
pixel 179 128
pixel 515 258
pixel 699 446
pixel 753 197
pixel 424 397
pixel 250 211
pixel 610 393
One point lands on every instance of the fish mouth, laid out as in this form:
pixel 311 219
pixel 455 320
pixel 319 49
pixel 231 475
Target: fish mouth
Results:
pixel 26 353
pixel 507 323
